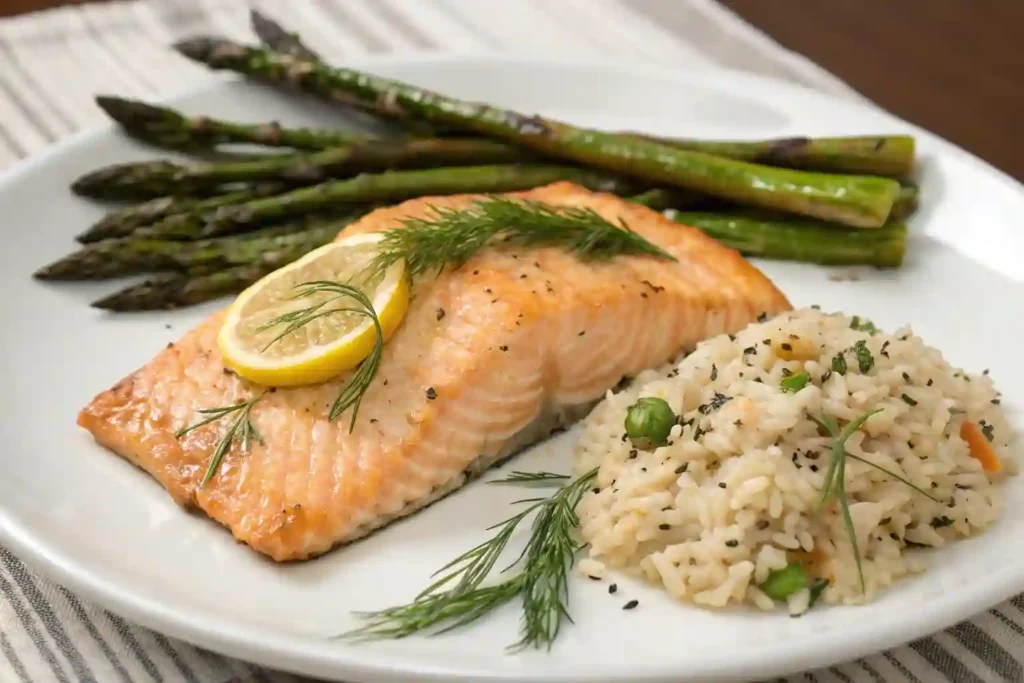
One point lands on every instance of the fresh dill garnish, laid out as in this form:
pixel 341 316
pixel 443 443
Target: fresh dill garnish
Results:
pixel 794 383
pixel 528 478
pixel 453 236
pixel 835 475
pixel 458 597
pixel 242 428
pixel 352 393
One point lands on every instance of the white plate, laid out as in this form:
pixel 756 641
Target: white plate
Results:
pixel 106 530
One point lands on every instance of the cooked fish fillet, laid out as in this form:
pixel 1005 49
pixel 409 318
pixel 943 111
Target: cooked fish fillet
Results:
pixel 489 359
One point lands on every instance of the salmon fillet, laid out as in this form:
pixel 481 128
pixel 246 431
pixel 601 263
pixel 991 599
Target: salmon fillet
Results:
pixel 490 358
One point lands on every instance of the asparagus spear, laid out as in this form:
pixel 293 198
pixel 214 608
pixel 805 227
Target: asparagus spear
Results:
pixel 862 201
pixel 887 155
pixel 158 178
pixel 387 186
pixel 165 127
pixel 132 255
pixel 891 155
pixel 276 37
pixel 179 291
pixel 782 238
pixel 880 155
pixel 126 221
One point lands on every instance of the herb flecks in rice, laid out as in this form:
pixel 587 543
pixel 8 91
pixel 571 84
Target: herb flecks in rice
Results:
pixel 774 460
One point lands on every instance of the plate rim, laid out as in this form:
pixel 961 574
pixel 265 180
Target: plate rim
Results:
pixel 297 653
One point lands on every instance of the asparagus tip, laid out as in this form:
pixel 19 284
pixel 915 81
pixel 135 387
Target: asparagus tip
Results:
pixel 197 48
pixel 119 302
pixel 261 23
pixel 134 112
pixel 57 270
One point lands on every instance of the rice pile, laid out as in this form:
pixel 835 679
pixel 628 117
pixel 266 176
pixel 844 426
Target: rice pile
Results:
pixel 733 495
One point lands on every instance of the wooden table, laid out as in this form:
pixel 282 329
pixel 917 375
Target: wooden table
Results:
pixel 955 67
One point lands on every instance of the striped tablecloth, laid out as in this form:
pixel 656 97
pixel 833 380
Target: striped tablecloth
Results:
pixel 52 63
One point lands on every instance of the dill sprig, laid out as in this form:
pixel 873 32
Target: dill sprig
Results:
pixel 452 236
pixel 459 597
pixel 835 476
pixel 519 478
pixel 351 394
pixel 242 428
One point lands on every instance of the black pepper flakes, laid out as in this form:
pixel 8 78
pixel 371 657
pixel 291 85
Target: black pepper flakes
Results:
pixel 732 543
pixel 766 342
pixel 612 588
pixel 908 400
pixel 763 524
pixel 786 346
pixel 593 578
pixel 633 453
pixel 940 522
pixel 722 485
pixel 761 318
pixel 503 347
pixel 631 604
pixel 682 468
pixel 930 382
pixel 664 527
pixel 431 393
pixel 750 351
pixel 440 314
pixel 714 372
pixel 581 333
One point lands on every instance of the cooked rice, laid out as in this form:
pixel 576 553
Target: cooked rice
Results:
pixel 714 512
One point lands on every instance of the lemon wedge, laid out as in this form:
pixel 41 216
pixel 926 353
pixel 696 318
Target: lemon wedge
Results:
pixel 253 345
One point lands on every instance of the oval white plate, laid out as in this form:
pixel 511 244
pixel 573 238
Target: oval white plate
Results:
pixel 103 528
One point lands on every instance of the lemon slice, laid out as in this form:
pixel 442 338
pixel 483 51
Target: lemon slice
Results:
pixel 328 345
